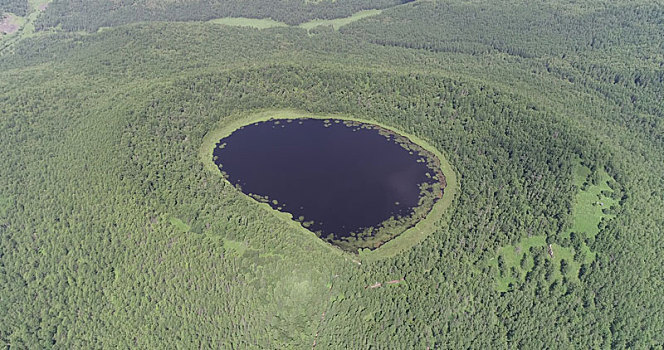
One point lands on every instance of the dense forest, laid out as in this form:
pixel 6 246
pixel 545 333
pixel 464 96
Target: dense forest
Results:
pixel 114 235
pixel 17 7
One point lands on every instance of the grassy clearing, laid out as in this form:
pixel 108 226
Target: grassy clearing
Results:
pixel 588 212
pixel 10 24
pixel 249 22
pixel 236 247
pixel 517 261
pixel 590 202
pixel 36 8
pixel 270 23
pixel 589 205
pixel 179 224
pixel 512 256
pixel 339 22
pixel 398 244
pixel 26 27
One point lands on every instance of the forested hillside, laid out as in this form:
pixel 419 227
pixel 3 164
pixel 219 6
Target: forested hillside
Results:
pixel 114 235
pixel 524 29
pixel 90 15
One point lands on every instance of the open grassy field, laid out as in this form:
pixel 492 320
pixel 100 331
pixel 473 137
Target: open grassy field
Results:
pixel 264 23
pixel 258 23
pixel 591 201
pixel 339 22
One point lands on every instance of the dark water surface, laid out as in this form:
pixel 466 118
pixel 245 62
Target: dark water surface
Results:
pixel 343 178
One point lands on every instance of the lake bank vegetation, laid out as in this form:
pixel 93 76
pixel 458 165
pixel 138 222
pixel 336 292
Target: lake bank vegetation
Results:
pixel 369 238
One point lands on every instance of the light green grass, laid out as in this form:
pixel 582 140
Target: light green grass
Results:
pixel 590 202
pixel 587 214
pixel 270 23
pixel 589 205
pixel 249 22
pixel 339 22
pixel 179 224
pixel 509 253
pixel 26 26
pixel 398 244
pixel 238 248
pixel 513 254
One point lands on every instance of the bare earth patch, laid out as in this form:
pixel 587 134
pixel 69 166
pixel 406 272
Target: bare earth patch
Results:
pixel 8 25
pixel 42 7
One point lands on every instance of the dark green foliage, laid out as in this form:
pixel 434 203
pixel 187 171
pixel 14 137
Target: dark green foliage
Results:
pixel 525 29
pixel 17 7
pixel 100 135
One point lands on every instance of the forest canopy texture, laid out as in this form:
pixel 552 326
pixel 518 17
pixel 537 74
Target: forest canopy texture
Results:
pixel 90 15
pixel 113 234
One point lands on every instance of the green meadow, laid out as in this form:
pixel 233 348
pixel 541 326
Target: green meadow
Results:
pixel 264 23
pixel 592 204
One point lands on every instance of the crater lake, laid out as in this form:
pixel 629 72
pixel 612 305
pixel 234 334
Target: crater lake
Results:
pixel 355 185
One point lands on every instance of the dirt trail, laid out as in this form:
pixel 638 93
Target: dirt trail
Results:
pixel 378 284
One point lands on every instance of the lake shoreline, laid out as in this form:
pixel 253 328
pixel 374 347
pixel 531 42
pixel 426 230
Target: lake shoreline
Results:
pixel 411 235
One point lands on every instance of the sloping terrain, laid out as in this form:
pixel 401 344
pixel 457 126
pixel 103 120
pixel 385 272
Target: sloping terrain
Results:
pixel 90 15
pixel 113 234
